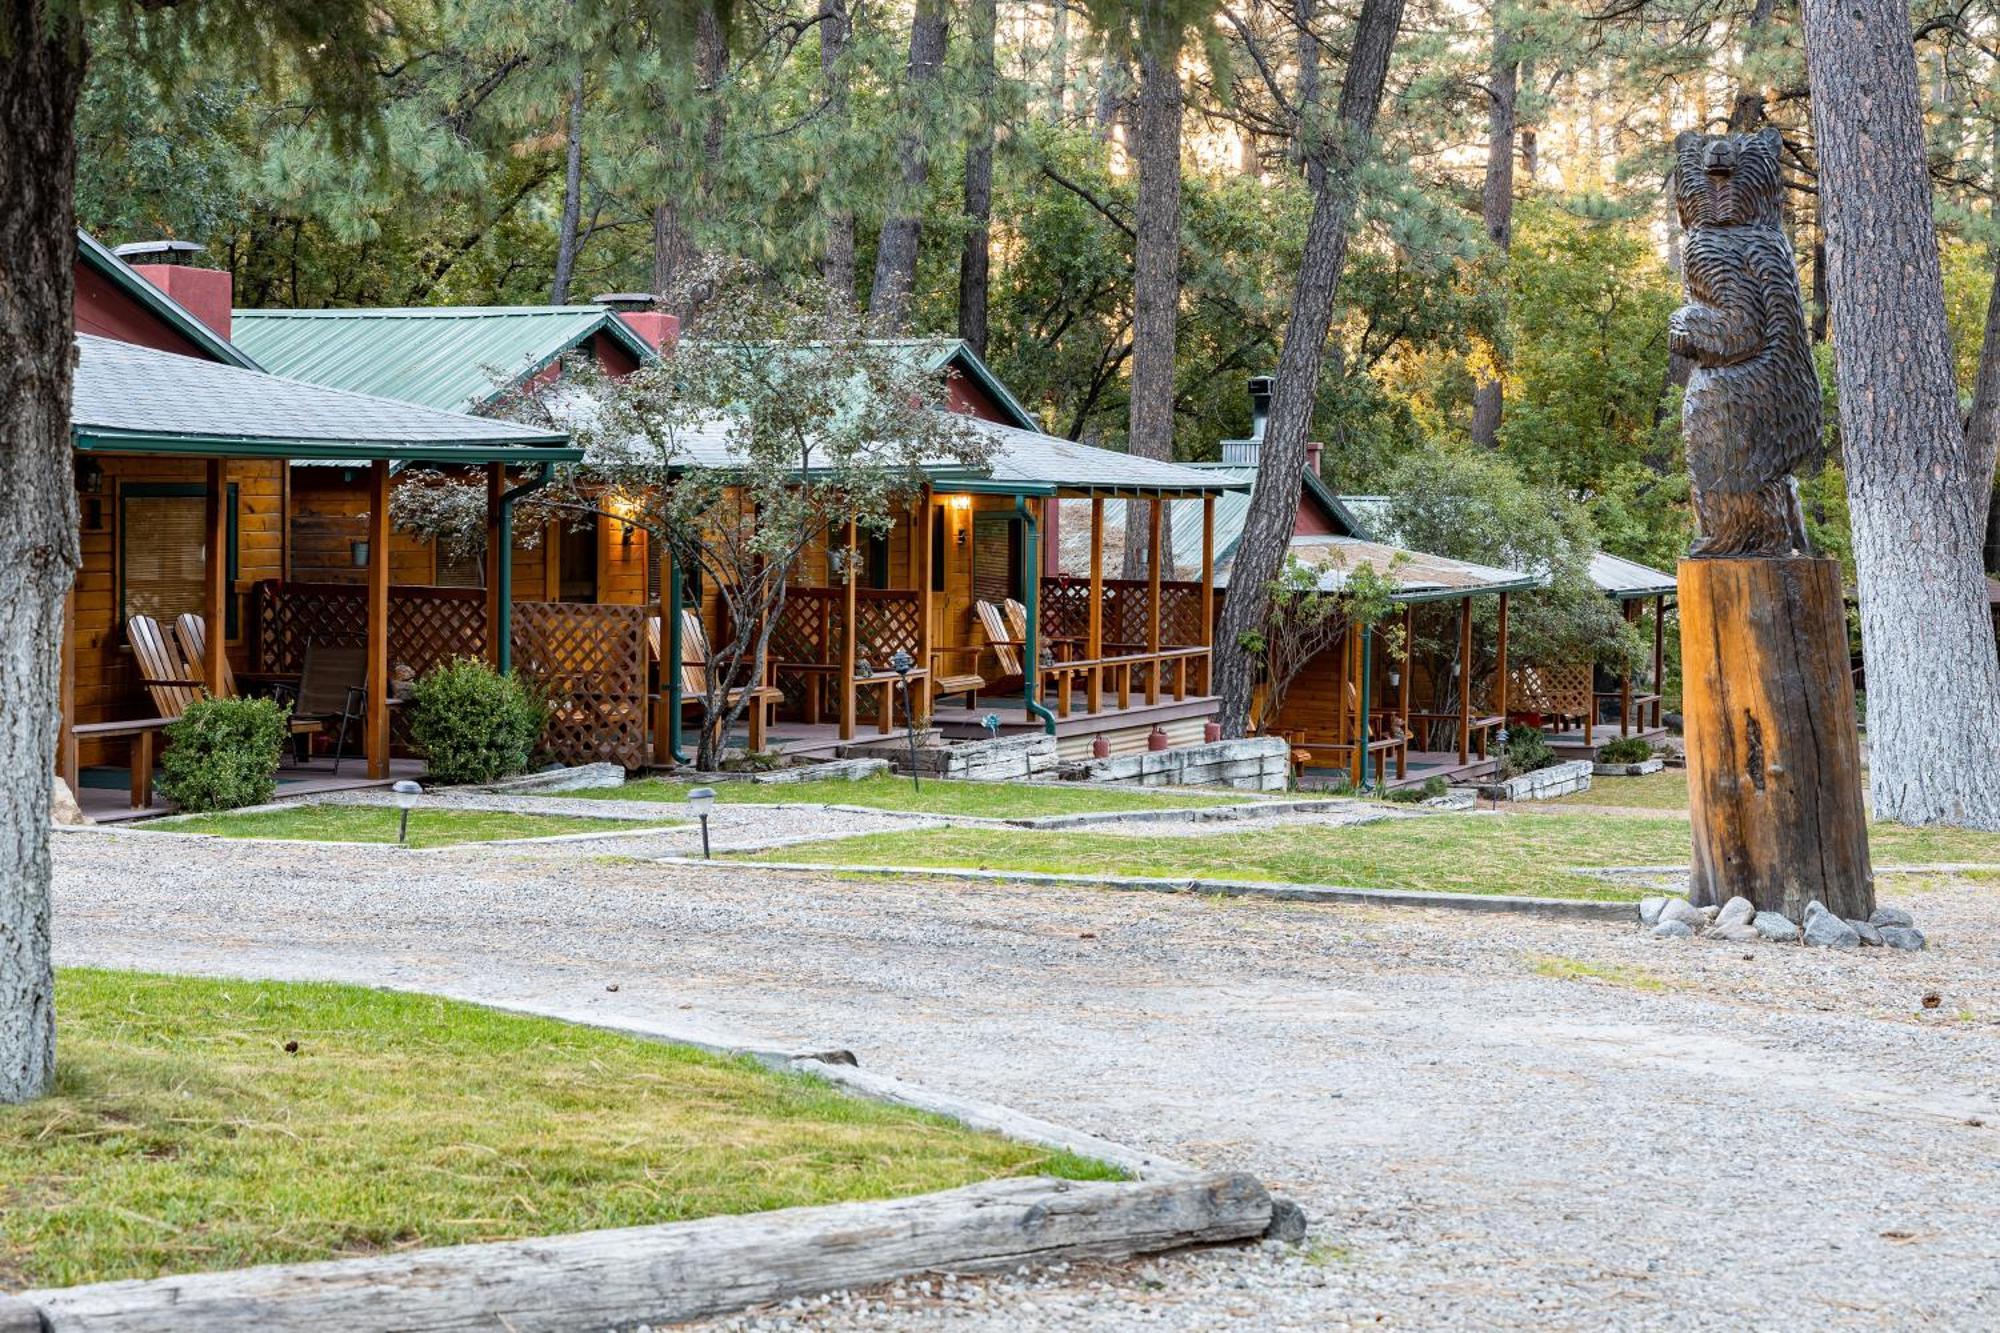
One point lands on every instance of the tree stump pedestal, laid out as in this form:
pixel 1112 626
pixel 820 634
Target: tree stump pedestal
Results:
pixel 1774 760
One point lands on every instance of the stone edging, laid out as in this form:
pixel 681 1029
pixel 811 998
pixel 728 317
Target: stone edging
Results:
pixel 1591 908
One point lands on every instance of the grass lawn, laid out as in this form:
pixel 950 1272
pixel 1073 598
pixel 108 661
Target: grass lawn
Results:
pixel 371 823
pixel 1521 854
pixel 183 1135
pixel 1664 790
pixel 992 800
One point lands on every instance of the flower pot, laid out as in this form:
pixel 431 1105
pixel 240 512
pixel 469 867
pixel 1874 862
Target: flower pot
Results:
pixel 1100 746
pixel 1157 740
pixel 1211 731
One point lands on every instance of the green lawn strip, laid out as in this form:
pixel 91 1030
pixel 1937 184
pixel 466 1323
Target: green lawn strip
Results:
pixel 1517 855
pixel 991 800
pixel 1664 790
pixel 373 823
pixel 182 1135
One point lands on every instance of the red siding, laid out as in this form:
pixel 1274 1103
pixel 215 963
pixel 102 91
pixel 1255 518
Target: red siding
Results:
pixel 1311 522
pixel 966 394
pixel 104 309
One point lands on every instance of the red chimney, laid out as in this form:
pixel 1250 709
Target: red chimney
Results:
pixel 639 310
pixel 205 293
pixel 1313 450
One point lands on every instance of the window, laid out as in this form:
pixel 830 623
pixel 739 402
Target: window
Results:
pixel 876 558
pixel 996 557
pixel 937 548
pixel 460 571
pixel 577 552
pixel 163 551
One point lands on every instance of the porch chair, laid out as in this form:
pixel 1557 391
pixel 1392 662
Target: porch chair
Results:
pixel 696 659
pixel 333 688
pixel 967 682
pixel 192 632
pixel 1005 646
pixel 163 670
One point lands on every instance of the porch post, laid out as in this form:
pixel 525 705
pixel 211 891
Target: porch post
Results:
pixel 920 541
pixel 1367 680
pixel 1500 669
pixel 496 537
pixel 1208 591
pixel 1403 688
pixel 1464 680
pixel 215 578
pixel 1153 601
pixel 667 711
pixel 66 760
pixel 1354 644
pixel 376 725
pixel 1093 645
pixel 1659 689
pixel 847 635
pixel 1625 683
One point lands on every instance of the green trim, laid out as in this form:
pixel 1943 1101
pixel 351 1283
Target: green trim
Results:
pixel 183 490
pixel 1031 580
pixel 134 284
pixel 619 330
pixel 977 486
pixel 536 448
pixel 1453 594
pixel 503 641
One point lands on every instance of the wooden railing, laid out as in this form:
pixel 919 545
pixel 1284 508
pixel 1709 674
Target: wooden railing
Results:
pixel 1093 672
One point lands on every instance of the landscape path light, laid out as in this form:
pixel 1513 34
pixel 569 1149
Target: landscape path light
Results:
pixel 901 664
pixel 700 800
pixel 405 794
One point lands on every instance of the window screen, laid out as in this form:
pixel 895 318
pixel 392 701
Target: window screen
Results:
pixel 996 557
pixel 163 551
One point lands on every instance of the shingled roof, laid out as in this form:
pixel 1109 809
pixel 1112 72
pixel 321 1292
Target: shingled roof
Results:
pixel 132 399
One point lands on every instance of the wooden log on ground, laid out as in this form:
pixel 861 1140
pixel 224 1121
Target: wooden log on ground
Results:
pixel 679 1271
pixel 1773 757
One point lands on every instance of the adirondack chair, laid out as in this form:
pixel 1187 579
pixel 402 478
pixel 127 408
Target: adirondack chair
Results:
pixel 696 657
pixel 169 680
pixel 1005 644
pixel 192 632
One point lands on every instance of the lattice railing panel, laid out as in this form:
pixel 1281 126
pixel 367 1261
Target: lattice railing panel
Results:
pixel 1551 689
pixel 427 626
pixel 590 662
pixel 1064 611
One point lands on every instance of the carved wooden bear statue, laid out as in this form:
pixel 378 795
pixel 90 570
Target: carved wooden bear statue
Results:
pixel 1752 412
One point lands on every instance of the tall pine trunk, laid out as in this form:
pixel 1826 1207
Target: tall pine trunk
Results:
pixel 836 265
pixel 896 251
pixel 1156 265
pixel 1497 199
pixel 676 223
pixel 976 259
pixel 1341 150
pixel 572 205
pixel 39 78
pixel 1916 480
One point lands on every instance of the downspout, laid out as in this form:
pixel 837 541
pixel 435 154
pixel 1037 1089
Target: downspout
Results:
pixel 1367 675
pixel 1031 687
pixel 505 637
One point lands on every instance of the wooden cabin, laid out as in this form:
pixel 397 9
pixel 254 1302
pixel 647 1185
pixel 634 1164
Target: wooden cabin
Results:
pixel 183 448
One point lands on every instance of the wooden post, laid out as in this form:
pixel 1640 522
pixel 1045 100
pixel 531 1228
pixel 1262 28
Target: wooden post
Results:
pixel 1093 646
pixel 920 541
pixel 1345 655
pixel 1464 680
pixel 1354 667
pixel 1659 655
pixel 376 726
pixel 66 757
pixel 1500 663
pixel 1625 684
pixel 1774 761
pixel 1153 601
pixel 496 483
pixel 1403 687
pixel 215 577
pixel 666 708
pixel 1208 591
pixel 848 630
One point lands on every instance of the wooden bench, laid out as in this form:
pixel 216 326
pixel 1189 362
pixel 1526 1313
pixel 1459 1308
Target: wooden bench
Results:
pixel 142 731
pixel 945 683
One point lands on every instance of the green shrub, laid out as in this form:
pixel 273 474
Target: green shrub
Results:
pixel 473 724
pixel 1625 750
pixel 1528 749
pixel 223 753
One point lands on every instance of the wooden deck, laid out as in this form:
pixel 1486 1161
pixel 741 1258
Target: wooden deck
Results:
pixel 106 792
pixel 1422 767
pixel 1569 743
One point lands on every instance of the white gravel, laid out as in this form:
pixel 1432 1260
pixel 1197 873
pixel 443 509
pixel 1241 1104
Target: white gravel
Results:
pixel 1773 1138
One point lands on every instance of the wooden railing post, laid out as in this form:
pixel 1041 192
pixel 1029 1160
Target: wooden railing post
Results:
pixel 1500 670
pixel 215 576
pixel 1153 601
pixel 920 540
pixel 1659 689
pixel 1464 680
pixel 1208 592
pixel 376 727
pixel 1094 613
pixel 848 632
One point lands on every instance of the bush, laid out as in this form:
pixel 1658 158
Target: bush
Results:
pixel 1528 749
pixel 1625 750
pixel 223 753
pixel 473 724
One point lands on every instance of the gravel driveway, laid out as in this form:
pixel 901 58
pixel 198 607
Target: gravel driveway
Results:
pixel 1728 1136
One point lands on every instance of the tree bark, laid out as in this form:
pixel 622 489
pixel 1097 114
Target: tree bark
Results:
pixel 39 82
pixel 1917 485
pixel 676 247
pixel 1156 262
pixel 836 265
pixel 1746 113
pixel 1059 61
pixel 1274 505
pixel 1497 200
pixel 896 251
pixel 975 261
pixel 572 208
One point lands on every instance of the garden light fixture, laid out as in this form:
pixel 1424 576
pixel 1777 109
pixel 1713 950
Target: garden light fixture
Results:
pixel 901 663
pixel 405 794
pixel 699 801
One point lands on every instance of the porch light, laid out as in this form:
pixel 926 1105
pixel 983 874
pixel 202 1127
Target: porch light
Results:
pixel 89 476
pixel 405 794
pixel 700 800
pixel 962 503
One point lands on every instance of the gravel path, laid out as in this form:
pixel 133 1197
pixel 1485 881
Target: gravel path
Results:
pixel 1719 1136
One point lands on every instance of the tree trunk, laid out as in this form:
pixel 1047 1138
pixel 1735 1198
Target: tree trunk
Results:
pixel 1746 113
pixel 975 261
pixel 572 209
pixel 1274 505
pixel 1916 485
pixel 676 246
pixel 1059 61
pixel 1497 201
pixel 39 80
pixel 896 251
pixel 1156 264
pixel 836 265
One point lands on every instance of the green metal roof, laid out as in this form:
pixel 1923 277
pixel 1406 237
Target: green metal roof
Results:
pixel 452 358
pixel 132 399
pixel 122 275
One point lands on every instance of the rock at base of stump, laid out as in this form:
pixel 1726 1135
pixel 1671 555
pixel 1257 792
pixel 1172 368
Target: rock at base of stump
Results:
pixel 1775 926
pixel 1869 934
pixel 1673 930
pixel 63 808
pixel 1738 911
pixel 1891 916
pixel 1902 937
pixel 1824 930
pixel 1737 933
pixel 1685 912
pixel 1288 1222
pixel 1650 909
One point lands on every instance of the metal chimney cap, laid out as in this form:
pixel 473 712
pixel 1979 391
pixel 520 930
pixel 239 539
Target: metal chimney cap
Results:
pixel 626 300
pixel 157 252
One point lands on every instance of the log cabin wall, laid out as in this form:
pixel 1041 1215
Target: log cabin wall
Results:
pixel 107 683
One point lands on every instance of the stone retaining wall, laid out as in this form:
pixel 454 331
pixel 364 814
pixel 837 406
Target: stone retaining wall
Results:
pixel 1253 763
pixel 1544 784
